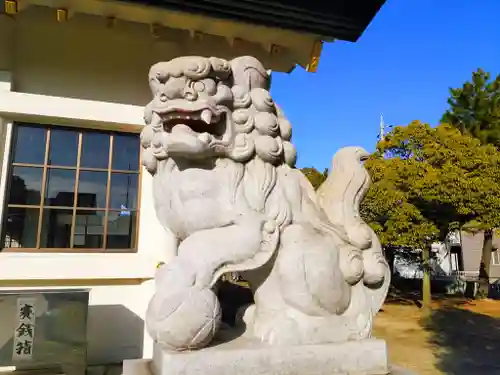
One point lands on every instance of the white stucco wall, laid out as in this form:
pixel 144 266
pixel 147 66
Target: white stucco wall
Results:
pixel 84 74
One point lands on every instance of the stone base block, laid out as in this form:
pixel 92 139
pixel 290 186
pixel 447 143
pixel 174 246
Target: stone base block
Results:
pixel 243 357
pixel 143 367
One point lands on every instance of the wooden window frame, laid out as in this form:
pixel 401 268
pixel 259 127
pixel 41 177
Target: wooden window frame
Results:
pixel 77 168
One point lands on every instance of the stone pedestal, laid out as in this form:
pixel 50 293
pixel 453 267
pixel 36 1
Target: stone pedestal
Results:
pixel 245 357
pixel 367 357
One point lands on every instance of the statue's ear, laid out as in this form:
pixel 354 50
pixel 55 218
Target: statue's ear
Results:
pixel 249 73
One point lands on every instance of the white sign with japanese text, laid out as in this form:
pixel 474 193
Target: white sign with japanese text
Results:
pixel 24 334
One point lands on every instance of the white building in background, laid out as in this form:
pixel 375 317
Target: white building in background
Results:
pixel 445 260
pixel 75 203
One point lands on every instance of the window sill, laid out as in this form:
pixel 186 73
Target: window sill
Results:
pixel 34 107
pixel 82 267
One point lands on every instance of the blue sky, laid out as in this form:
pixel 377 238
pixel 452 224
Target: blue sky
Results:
pixel 402 66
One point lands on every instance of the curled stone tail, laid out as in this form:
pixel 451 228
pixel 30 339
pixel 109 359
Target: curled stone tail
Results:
pixel 340 197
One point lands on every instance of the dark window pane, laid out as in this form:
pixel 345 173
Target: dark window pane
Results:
pixel 25 185
pixel 29 144
pixel 121 229
pixel 89 229
pixel 123 194
pixel 63 147
pixel 95 150
pixel 92 189
pixel 56 228
pixel 126 152
pixel 20 227
pixel 60 190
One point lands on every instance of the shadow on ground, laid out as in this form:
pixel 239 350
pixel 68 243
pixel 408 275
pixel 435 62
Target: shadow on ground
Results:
pixel 412 296
pixel 469 342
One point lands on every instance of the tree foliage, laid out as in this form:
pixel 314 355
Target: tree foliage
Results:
pixel 475 108
pixel 315 177
pixel 426 181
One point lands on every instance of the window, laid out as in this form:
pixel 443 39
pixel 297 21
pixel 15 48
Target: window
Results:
pixel 71 190
pixel 495 257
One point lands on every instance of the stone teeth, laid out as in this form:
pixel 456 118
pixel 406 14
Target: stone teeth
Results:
pixel 192 116
pixel 206 116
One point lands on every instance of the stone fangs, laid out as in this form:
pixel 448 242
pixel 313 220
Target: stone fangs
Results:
pixel 206 116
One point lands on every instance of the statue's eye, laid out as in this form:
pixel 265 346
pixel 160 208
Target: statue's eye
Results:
pixel 206 86
pixel 198 86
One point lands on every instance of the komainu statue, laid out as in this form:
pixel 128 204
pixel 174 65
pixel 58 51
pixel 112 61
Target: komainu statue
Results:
pixel 224 184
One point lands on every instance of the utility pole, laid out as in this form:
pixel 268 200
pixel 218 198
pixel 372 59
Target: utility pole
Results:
pixel 381 134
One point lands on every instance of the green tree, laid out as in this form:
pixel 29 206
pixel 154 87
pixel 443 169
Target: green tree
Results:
pixel 315 177
pixel 427 181
pixel 475 110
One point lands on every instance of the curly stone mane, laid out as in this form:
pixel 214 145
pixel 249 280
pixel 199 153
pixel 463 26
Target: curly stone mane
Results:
pixel 259 127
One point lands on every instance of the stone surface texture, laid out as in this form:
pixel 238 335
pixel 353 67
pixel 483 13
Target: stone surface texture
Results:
pixel 362 357
pixel 224 183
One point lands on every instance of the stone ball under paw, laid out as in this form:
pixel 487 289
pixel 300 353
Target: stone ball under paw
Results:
pixel 183 320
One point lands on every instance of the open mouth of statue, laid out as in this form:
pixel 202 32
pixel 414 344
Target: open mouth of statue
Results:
pixel 194 122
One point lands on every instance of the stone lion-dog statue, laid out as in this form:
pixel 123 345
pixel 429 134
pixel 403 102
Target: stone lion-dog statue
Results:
pixel 224 183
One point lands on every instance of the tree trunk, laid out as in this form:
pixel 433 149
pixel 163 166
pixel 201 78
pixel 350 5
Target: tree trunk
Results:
pixel 484 268
pixel 426 280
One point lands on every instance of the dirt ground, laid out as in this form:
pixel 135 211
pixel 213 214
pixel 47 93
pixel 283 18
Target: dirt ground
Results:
pixel 454 337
